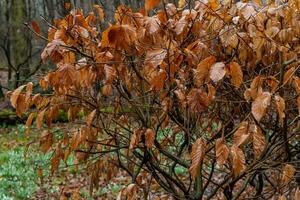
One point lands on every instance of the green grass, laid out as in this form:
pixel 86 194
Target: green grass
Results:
pixel 18 178
pixel 18 164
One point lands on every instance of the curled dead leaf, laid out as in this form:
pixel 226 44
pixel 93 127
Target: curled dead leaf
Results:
pixel 15 95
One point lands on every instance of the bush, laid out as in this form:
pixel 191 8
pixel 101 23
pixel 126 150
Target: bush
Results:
pixel 212 88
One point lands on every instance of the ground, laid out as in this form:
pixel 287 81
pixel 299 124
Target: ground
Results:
pixel 25 172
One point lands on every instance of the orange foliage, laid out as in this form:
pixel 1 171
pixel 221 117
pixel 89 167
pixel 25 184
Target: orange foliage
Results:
pixel 217 83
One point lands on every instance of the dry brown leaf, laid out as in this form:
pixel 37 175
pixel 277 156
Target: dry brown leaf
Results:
pixel 15 95
pixel 197 155
pixel 150 4
pixel 152 24
pixel 119 36
pixel 181 3
pixel 131 191
pixel 298 103
pixel 29 122
pixel 211 92
pixel 280 105
pixel 288 76
pixel 255 88
pixel 248 11
pixel 272 83
pixel 158 79
pixel 260 104
pixel 67 5
pixel 288 173
pixel 217 71
pixel 181 25
pixel 100 12
pixel 54 50
pixel 202 71
pixel 29 87
pixel 258 2
pixel 181 97
pixel 238 160
pixel 135 138
pixel 271 32
pixel 36 27
pixel 242 134
pixel 107 90
pixel 39 119
pixel 46 141
pixel 149 138
pixel 22 105
pixel 198 100
pixel 222 152
pixel 297 194
pixel 90 117
pixel 56 158
pixel 155 57
pixel 296 84
pixel 259 140
pixel 281 197
pixel 236 74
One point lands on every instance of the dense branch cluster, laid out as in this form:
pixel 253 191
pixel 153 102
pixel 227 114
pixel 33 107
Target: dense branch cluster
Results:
pixel 211 88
